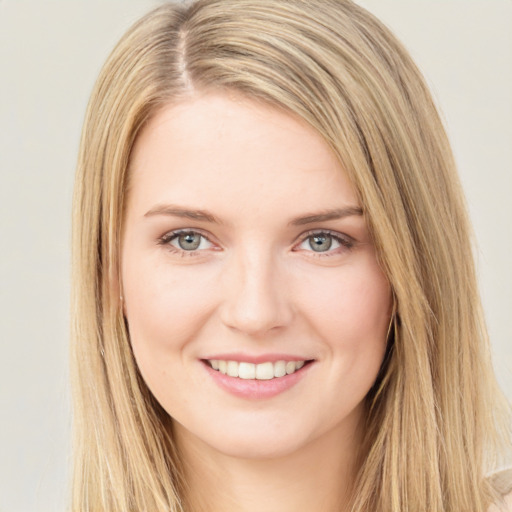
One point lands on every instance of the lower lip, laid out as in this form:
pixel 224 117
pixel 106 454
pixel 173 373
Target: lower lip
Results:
pixel 254 389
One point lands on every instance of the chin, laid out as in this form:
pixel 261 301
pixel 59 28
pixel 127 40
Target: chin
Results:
pixel 254 442
pixel 261 440
pixel 257 448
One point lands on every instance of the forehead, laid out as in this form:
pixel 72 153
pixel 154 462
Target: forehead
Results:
pixel 227 150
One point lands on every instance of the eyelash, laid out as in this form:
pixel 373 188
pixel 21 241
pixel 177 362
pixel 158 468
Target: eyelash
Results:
pixel 166 240
pixel 346 242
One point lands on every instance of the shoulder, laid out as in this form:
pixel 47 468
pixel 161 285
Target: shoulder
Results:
pixel 504 506
pixel 502 482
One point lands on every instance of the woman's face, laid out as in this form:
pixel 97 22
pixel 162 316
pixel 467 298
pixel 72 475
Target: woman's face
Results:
pixel 245 251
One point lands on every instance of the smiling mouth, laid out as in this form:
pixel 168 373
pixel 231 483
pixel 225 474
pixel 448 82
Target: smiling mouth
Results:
pixel 261 371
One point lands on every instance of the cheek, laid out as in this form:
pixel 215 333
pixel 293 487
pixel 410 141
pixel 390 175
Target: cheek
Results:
pixel 350 309
pixel 357 298
pixel 165 308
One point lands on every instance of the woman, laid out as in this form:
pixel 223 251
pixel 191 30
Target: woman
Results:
pixel 275 302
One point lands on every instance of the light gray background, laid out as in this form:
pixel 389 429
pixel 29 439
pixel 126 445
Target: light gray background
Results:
pixel 50 54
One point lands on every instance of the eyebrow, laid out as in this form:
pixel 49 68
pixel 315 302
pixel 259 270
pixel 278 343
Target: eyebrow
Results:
pixel 337 213
pixel 206 216
pixel 178 211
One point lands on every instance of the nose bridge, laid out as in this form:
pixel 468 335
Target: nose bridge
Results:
pixel 255 298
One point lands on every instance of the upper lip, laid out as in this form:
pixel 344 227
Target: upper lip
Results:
pixel 256 359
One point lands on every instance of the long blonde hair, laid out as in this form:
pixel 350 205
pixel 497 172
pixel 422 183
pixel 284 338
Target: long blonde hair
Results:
pixel 436 421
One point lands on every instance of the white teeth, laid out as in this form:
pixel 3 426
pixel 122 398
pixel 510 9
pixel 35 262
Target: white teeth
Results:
pixel 280 369
pixel 262 371
pixel 290 367
pixel 265 371
pixel 232 369
pixel 247 370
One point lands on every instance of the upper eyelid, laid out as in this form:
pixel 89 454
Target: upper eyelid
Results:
pixel 175 232
pixel 170 236
pixel 317 231
pixel 335 234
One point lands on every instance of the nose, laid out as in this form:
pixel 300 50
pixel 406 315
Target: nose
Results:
pixel 256 295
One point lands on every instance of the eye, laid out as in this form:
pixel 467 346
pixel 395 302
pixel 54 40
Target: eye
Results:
pixel 321 242
pixel 325 242
pixel 188 241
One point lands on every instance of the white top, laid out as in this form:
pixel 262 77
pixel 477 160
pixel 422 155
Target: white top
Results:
pixel 503 482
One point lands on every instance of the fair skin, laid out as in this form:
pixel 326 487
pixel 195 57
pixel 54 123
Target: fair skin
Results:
pixel 244 241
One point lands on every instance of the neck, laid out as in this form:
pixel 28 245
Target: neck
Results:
pixel 319 476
